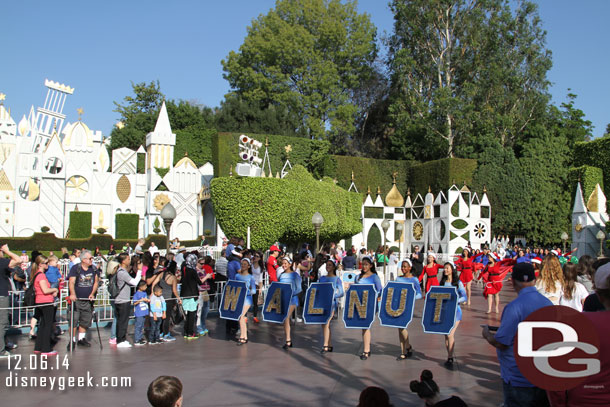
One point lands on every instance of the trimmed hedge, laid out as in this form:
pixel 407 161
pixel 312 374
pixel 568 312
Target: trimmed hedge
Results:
pixel 127 225
pixel 595 153
pixel 281 209
pixel 369 172
pixel 80 225
pixel 441 174
pixel 589 177
pixel 48 242
pixel 311 154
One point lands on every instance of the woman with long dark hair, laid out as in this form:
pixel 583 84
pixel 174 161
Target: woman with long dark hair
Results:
pixel 169 285
pixel 430 271
pixel 406 350
pixel 45 296
pixel 466 268
pixel 258 268
pixel 450 279
pixel 294 279
pixel 245 275
pixel 368 275
pixel 331 277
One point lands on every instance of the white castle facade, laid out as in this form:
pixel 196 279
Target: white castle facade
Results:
pixel 48 169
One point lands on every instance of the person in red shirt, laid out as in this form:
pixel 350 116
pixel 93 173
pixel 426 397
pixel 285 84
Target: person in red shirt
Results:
pixel 272 263
pixel 430 270
pixel 493 276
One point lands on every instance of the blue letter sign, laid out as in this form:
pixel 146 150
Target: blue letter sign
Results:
pixel 233 297
pixel 397 303
pixel 277 302
pixel 359 311
pixel 318 303
pixel 440 310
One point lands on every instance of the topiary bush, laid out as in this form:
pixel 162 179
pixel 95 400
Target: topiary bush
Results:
pixel 281 209
pixel 441 174
pixel 80 225
pixel 127 225
pixel 45 229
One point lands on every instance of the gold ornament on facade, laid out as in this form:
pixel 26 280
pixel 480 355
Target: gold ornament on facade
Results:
pixel 160 201
pixel 418 230
pixel 578 227
pixel 123 188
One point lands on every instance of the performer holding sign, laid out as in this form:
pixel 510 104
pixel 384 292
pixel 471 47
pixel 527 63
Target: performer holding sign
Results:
pixel 368 275
pixel 294 279
pixel 331 277
pixel 245 275
pixel 450 278
pixel 406 350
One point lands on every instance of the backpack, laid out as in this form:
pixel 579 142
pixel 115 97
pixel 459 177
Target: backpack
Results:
pixel 29 297
pixel 113 285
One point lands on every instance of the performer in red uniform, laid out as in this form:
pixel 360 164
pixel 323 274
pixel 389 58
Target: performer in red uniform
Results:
pixel 493 275
pixel 465 266
pixel 431 272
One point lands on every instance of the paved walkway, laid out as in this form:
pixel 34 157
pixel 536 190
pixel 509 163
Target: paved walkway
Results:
pixel 216 372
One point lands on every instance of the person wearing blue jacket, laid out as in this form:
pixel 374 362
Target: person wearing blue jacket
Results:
pixel 294 279
pixel 406 350
pixel 245 275
pixel 368 275
pixel 450 279
pixel 331 277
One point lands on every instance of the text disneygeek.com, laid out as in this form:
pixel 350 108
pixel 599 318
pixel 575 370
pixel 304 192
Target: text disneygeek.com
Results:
pixel 15 380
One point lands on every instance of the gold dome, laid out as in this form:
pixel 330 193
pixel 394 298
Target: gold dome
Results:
pixel 394 198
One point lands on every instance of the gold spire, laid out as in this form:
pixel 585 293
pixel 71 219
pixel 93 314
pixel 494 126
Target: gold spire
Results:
pixel 80 112
pixel 186 153
pixel 230 169
pixel 429 189
pixel 266 141
pixel 378 190
pixel 484 189
pixel 368 189
pixel 2 97
pixel 352 175
pixel 394 177
pixel 408 191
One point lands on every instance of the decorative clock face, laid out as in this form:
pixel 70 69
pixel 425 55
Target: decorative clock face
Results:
pixel 77 186
pixel 418 230
pixel 479 230
pixel 53 165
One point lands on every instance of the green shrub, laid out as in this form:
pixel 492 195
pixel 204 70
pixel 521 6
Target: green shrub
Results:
pixel 127 225
pixel 441 174
pixel 595 153
pixel 589 177
pixel 80 225
pixel 45 229
pixel 281 209
pixel 101 231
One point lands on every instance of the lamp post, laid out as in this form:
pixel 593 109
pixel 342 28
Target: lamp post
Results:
pixel 564 237
pixel 317 221
pixel 385 225
pixel 399 228
pixel 168 214
pixel 601 235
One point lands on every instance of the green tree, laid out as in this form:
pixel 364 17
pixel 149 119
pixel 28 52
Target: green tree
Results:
pixel 465 72
pixel 193 124
pixel 306 55
pixel 570 123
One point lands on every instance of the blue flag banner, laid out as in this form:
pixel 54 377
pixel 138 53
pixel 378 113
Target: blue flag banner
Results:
pixel 359 311
pixel 277 302
pixel 397 301
pixel 233 297
pixel 440 310
pixel 318 303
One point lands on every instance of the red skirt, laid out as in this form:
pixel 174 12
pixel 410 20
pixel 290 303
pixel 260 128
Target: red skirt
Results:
pixel 431 281
pixel 466 276
pixel 492 287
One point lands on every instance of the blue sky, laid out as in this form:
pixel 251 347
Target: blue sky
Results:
pixel 99 47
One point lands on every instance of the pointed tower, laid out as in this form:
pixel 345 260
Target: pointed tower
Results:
pixel 588 220
pixel 160 143
pixel 50 117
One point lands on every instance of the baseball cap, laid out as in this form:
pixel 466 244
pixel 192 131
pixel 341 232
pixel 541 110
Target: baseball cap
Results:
pixel 602 277
pixel 524 272
pixel 274 248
